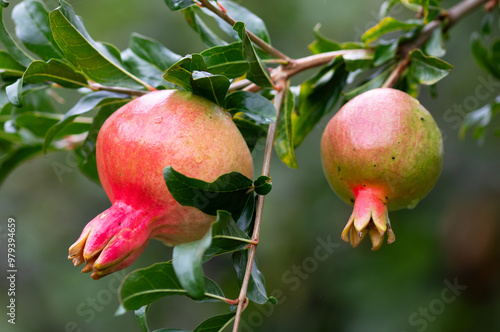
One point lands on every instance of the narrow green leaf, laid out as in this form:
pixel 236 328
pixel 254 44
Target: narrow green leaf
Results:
pixel 251 131
pixel 216 323
pixel 95 60
pixel 143 69
pixel 226 60
pixel 283 142
pixel 256 287
pixel 435 45
pixel 194 20
pixel 258 73
pixel 141 316
pixel 180 72
pixel 178 4
pixel 9 65
pixel 317 98
pixel 479 119
pixel 384 52
pixel 212 87
pixel 482 56
pixel 187 260
pixel 251 104
pixel 84 105
pixel 322 44
pixel 386 25
pixel 227 237
pixel 428 70
pixel 239 13
pixel 14 93
pixel 39 123
pixel 144 286
pixel 33 29
pixel 374 83
pixel 10 45
pixel 228 192
pixel 153 52
pixel 246 218
pixel 54 71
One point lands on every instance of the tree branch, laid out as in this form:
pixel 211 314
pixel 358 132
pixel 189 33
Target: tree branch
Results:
pixel 98 87
pixel 271 133
pixel 452 16
pixel 258 41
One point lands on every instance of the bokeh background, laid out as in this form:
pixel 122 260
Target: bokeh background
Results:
pixel 441 274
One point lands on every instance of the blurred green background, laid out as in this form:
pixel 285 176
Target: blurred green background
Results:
pixel 441 274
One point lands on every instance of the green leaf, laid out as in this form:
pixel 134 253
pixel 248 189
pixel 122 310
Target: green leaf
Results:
pixel 479 119
pixel 428 70
pixel 374 83
pixel 251 104
pixel 39 123
pixel 187 260
pixel 263 185
pixel 245 219
pixel 283 142
pixel 194 20
pixel 258 73
pixel 386 25
pixel 153 52
pixel 435 45
pixel 141 316
pixel 226 236
pixel 10 45
pixel 11 160
pixel 15 92
pixel 84 105
pixel 9 65
pixel 384 52
pixel 228 192
pixel 256 291
pixel 251 131
pixel 54 71
pixel 33 29
pixel 239 13
pixel 143 69
pixel 93 59
pixel 180 72
pixel 144 286
pixel 322 44
pixel 482 55
pixel 212 87
pixel 226 60
pixel 216 323
pixel 317 98
pixel 178 4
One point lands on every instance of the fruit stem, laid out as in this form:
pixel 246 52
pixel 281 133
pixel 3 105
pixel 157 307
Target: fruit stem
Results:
pixel 266 165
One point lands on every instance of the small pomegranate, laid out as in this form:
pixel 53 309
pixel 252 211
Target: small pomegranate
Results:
pixel 382 151
pixel 162 128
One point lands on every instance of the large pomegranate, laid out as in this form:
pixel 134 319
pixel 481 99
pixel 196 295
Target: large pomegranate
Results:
pixel 382 151
pixel 162 128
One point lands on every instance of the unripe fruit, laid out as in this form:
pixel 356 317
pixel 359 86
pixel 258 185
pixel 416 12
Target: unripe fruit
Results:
pixel 382 151
pixel 135 144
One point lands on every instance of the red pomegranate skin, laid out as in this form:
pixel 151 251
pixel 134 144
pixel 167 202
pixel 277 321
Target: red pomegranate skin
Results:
pixel 135 144
pixel 381 151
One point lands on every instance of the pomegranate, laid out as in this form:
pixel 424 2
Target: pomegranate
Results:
pixel 382 151
pixel 162 128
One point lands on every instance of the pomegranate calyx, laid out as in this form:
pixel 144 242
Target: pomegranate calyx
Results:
pixel 370 216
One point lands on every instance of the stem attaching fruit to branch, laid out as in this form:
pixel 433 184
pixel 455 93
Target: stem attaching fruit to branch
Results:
pixel 271 133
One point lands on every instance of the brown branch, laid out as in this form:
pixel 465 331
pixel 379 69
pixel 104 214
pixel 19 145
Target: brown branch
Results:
pixel 258 41
pixel 451 16
pixel 98 87
pixel 266 165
